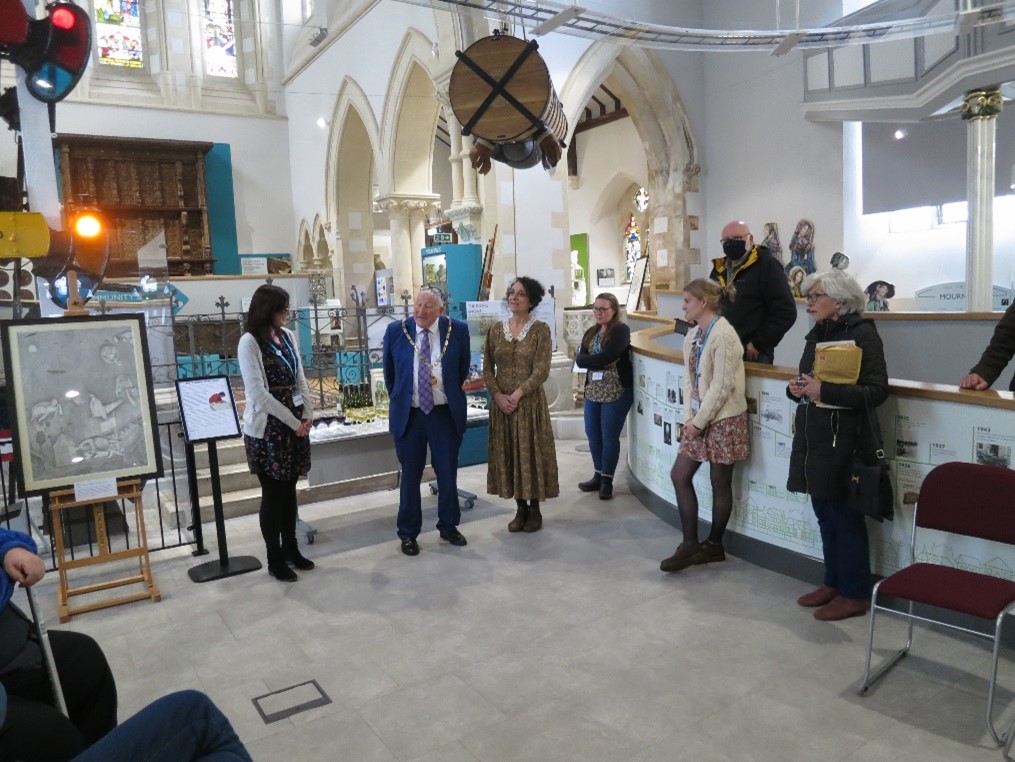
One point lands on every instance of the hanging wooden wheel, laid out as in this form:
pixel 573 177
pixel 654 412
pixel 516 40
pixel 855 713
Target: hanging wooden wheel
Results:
pixel 500 89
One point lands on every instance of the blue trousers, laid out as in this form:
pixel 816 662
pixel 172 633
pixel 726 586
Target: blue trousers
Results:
pixel 845 547
pixel 436 430
pixel 181 726
pixel 603 423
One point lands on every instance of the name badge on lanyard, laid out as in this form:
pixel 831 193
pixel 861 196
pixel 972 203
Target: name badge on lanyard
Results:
pixel 298 398
pixel 290 366
pixel 695 405
pixel 597 375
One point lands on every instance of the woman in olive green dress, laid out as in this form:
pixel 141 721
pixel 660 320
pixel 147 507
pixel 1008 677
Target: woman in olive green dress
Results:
pixel 522 456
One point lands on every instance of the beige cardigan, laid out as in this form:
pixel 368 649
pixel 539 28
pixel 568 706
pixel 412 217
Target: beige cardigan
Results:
pixel 721 382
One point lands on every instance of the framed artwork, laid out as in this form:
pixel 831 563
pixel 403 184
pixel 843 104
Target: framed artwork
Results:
pixel 207 409
pixel 637 282
pixel 82 401
pixel 606 276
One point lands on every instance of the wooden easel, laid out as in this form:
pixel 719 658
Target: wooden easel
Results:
pixel 60 501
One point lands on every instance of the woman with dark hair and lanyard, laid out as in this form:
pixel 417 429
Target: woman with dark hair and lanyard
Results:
pixel 605 353
pixel 276 424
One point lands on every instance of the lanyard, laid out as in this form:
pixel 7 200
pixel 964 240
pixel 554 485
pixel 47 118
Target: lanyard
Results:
pixel 291 366
pixel 701 349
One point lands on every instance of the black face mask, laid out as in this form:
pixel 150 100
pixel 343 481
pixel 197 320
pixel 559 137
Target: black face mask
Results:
pixel 733 248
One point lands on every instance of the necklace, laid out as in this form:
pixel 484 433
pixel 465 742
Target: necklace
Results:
pixel 426 360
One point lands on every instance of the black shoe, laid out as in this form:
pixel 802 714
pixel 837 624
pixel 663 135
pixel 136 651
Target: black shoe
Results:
pixel 606 488
pixel 592 484
pixel 409 546
pixel 454 537
pixel 300 561
pixel 282 572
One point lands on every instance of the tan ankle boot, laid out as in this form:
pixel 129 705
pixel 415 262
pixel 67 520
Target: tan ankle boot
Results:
pixel 535 520
pixel 518 522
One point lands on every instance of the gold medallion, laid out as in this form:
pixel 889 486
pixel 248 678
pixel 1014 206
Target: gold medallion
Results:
pixel 433 380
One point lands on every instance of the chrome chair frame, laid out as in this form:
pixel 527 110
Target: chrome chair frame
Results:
pixel 869 679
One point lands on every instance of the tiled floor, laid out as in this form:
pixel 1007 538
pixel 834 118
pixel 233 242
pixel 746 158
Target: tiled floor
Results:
pixel 562 645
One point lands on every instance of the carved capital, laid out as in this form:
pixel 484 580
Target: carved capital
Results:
pixel 982 104
pixel 463 212
pixel 408 203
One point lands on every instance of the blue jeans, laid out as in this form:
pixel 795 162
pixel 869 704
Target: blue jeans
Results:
pixel 181 726
pixel 603 423
pixel 845 547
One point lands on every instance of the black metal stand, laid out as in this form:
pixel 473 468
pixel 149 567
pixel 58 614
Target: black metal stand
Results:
pixel 225 566
pixel 195 505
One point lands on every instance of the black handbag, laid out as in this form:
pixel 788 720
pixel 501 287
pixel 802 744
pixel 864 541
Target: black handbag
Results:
pixel 870 486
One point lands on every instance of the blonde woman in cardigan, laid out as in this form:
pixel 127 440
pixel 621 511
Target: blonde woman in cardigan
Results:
pixel 715 426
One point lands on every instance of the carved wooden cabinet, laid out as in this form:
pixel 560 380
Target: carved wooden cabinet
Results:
pixel 144 187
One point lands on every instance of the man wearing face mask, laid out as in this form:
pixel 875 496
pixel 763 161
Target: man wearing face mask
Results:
pixel 764 308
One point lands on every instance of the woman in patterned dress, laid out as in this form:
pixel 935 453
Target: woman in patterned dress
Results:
pixel 276 424
pixel 522 457
pixel 715 421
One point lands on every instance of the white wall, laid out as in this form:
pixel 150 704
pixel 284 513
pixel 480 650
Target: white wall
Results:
pixel 604 153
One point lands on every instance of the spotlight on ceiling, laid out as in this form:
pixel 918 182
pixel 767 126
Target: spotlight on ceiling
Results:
pixel 901 133
pixel 321 36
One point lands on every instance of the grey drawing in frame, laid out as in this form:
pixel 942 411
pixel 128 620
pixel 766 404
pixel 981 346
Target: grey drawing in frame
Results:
pixel 83 402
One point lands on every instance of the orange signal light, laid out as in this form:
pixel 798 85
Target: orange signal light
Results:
pixel 88 225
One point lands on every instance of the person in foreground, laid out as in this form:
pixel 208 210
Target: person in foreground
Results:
pixel 276 424
pixel 426 361
pixel 522 456
pixel 832 424
pixel 716 428
pixel 33 728
pixel 605 352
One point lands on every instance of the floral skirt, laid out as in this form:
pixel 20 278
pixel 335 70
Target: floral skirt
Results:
pixel 725 441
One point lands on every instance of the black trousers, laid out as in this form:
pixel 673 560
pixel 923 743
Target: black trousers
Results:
pixel 278 516
pixel 34 730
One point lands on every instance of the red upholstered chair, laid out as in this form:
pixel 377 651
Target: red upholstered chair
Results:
pixel 961 499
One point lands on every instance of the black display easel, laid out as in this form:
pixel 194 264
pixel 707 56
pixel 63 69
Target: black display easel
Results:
pixel 224 566
pixel 208 431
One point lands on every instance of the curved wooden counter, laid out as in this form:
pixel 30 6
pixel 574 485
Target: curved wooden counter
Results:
pixel 923 425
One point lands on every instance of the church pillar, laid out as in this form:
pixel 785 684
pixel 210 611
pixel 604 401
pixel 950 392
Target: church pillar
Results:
pixel 979 110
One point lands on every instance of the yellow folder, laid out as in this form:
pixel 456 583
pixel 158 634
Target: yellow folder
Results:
pixel 837 362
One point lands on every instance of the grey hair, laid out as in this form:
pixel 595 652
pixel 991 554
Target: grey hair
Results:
pixel 436 292
pixel 842 288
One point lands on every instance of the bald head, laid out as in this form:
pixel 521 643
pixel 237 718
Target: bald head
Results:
pixel 736 240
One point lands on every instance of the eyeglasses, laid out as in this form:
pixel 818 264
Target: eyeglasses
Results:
pixel 735 238
pixel 813 296
pixel 601 309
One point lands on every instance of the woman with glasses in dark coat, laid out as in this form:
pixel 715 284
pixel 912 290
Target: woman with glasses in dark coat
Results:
pixel 832 424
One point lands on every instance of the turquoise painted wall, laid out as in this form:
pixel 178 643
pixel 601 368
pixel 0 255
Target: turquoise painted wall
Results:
pixel 218 169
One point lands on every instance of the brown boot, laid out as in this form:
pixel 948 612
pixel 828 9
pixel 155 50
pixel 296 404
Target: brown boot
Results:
pixel 535 520
pixel 518 522
pixel 818 597
pixel 841 608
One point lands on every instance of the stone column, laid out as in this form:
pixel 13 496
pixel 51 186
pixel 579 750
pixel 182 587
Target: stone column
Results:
pixel 457 166
pixel 407 214
pixel 979 110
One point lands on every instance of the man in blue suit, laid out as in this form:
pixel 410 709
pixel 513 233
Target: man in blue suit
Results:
pixel 426 361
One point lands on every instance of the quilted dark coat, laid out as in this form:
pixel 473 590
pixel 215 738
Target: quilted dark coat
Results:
pixel 824 439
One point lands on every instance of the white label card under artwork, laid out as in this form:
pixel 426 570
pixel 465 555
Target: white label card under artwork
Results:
pixel 95 489
pixel 253 265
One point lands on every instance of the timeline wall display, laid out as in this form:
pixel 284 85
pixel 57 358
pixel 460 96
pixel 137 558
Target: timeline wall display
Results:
pixel 207 409
pixel 919 434
pixel 82 400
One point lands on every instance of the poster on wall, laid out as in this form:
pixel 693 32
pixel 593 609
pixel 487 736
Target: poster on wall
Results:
pixel 606 276
pixel 82 399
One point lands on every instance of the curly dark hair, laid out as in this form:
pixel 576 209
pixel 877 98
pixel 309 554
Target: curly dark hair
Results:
pixel 267 302
pixel 533 289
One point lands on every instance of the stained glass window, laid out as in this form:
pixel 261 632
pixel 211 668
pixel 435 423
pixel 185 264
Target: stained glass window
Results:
pixel 219 39
pixel 632 246
pixel 118 33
